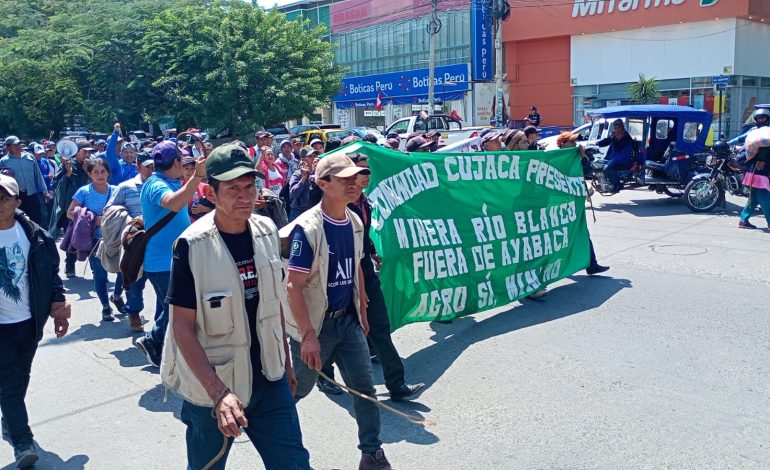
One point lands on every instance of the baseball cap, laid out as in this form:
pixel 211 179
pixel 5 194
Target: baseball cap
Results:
pixel 392 143
pixel 284 142
pixel 417 143
pixel 566 137
pixel 529 130
pixel 50 144
pixel 339 165
pixel 145 159
pixel 100 142
pixel 188 160
pixel 228 162
pixel 83 144
pixel 431 134
pixel 37 148
pixel 316 141
pixel 9 184
pixel 164 153
pixel 490 136
pixel 12 140
pixel 308 151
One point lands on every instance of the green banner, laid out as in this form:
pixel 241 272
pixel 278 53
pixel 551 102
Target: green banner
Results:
pixel 461 233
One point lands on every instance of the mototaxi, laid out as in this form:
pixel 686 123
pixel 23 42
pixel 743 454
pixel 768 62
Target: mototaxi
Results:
pixel 671 142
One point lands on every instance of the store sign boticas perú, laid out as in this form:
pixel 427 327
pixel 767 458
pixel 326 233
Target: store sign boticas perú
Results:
pixel 605 7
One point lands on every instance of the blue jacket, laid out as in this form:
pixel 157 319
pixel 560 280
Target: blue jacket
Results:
pixel 120 171
pixel 621 150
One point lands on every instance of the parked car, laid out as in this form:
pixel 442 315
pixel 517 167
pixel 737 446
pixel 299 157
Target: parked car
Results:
pixel 323 134
pixel 302 128
pixel 549 143
pixel 451 131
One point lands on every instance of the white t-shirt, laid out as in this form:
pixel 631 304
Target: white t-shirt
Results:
pixel 14 277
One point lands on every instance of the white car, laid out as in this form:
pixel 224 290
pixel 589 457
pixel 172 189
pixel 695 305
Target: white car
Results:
pixel 549 143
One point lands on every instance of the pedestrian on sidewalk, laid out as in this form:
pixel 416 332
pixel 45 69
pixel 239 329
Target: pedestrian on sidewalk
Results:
pixel 28 297
pixel 325 286
pixel 225 383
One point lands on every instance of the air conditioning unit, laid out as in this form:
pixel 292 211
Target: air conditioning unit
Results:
pixel 573 81
pixel 727 70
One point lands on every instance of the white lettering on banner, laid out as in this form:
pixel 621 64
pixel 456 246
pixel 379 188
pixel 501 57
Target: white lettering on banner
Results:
pixel 524 249
pixel 426 232
pixel 445 302
pixel 550 177
pixel 536 220
pixel 399 188
pixel 599 7
pixel 486 295
pixel 519 283
pixel 438 264
pixel 482 167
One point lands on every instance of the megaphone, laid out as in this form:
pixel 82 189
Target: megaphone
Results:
pixel 67 148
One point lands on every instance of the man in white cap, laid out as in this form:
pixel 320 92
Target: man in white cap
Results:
pixel 329 320
pixel 30 294
pixel 318 145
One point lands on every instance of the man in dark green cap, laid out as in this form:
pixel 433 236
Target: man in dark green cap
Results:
pixel 225 352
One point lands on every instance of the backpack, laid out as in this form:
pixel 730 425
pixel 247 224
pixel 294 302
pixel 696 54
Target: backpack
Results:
pixel 134 246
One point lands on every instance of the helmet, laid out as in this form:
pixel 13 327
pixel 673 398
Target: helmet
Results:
pixel 721 149
pixel 762 112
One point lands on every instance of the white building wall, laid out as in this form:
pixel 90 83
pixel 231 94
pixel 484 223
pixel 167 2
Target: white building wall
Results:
pixel 752 40
pixel 664 52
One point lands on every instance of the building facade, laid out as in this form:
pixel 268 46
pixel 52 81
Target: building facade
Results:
pixel 384 44
pixel 568 57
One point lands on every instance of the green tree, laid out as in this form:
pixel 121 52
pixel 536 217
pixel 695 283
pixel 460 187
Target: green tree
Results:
pixel 234 66
pixel 645 90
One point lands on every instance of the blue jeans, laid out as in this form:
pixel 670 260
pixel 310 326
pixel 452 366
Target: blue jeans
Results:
pixel 118 291
pixel 135 298
pixel 155 336
pixel 273 430
pixel 100 280
pixel 759 197
pixel 17 349
pixel 611 172
pixel 343 340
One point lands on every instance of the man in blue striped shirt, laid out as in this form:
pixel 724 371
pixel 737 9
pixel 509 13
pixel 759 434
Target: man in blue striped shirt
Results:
pixel 24 169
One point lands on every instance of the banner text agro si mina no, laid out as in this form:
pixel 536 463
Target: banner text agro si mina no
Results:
pixel 466 232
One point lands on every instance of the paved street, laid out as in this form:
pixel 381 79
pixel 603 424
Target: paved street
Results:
pixel 661 364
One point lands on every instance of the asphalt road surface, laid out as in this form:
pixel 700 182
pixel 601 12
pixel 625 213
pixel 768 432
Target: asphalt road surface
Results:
pixel 662 363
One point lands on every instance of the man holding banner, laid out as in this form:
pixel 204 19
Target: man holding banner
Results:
pixel 328 303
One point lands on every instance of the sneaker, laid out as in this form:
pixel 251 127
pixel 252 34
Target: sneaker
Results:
pixel 107 314
pixel 328 387
pixel 135 323
pixel 375 461
pixel 26 456
pixel 746 224
pixel 119 304
pixel 596 269
pixel 148 350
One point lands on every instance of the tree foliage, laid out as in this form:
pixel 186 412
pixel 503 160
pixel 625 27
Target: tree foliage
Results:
pixel 211 64
pixel 645 90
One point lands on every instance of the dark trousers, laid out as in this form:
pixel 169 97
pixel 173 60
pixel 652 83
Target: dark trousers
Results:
pixel 379 332
pixel 157 334
pixel 18 343
pixel 31 205
pixel 273 430
pixel 343 340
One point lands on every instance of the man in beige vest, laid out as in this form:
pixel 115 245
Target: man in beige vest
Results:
pixel 225 352
pixel 328 301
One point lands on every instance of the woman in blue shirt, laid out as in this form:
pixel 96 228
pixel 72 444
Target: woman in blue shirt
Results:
pixel 94 197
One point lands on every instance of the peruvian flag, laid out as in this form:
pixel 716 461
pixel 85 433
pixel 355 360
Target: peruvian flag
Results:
pixel 378 103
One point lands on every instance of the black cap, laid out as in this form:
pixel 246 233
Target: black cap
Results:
pixel 529 130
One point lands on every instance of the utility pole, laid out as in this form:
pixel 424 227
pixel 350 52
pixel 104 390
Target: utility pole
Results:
pixel 434 26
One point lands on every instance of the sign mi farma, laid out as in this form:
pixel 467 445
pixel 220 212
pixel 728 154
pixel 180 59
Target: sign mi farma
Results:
pixel 583 8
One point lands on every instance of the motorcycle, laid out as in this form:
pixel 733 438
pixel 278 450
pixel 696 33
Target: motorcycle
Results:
pixel 707 190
